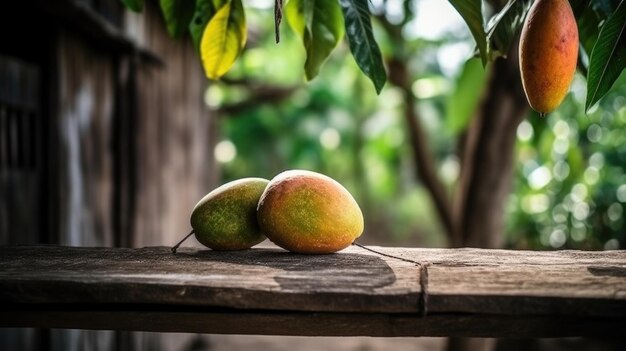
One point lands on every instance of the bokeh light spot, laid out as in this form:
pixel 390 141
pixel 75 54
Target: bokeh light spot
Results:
pixel 612 244
pixel 535 203
pixel 592 175
pixel 225 151
pixel 581 211
pixel 594 133
pixel 524 131
pixel 557 238
pixel 621 193
pixel 539 178
pixel 614 212
pixel 330 138
pixel 560 170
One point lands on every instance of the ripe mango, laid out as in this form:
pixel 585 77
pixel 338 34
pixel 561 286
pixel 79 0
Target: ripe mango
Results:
pixel 308 212
pixel 548 51
pixel 225 219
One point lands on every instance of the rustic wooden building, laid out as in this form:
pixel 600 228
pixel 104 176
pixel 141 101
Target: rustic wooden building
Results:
pixel 104 136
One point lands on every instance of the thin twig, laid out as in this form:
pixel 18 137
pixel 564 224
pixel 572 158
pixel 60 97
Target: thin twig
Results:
pixel 258 95
pixel 278 17
pixel 175 247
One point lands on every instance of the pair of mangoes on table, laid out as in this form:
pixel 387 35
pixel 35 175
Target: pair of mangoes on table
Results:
pixel 300 211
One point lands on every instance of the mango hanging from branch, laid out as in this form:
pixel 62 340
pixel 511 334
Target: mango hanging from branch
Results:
pixel 548 52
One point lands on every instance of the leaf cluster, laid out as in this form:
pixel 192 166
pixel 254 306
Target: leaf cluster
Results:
pixel 218 29
pixel 602 33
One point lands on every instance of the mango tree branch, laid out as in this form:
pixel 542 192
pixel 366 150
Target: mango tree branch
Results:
pixel 424 162
pixel 262 94
pixel 399 76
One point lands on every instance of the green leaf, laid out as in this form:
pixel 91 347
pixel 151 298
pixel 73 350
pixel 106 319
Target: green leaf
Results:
pixel 504 27
pixel 320 25
pixel 135 5
pixel 603 7
pixel 588 28
pixel 608 57
pixel 464 100
pixel 204 11
pixel 590 16
pixel 470 10
pixel 356 15
pixel 178 15
pixel 223 39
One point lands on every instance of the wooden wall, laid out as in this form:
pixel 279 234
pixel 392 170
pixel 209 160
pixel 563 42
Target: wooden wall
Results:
pixel 127 142
pixel 175 134
pixel 175 138
pixel 85 156
pixel 124 147
pixel 20 173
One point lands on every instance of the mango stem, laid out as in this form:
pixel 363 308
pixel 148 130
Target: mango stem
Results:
pixel 175 247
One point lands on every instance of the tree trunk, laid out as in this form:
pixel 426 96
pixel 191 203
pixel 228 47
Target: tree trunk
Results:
pixel 475 216
pixel 488 159
pixel 487 168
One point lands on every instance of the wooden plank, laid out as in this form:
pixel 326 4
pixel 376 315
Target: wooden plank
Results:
pixel 585 283
pixel 465 292
pixel 254 279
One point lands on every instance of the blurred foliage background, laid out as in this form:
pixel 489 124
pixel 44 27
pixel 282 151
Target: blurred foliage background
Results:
pixel 569 186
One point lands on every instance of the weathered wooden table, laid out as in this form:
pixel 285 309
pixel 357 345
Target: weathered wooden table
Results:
pixel 430 292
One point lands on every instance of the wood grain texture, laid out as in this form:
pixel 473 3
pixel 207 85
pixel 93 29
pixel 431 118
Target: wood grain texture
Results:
pixel 19 145
pixel 435 292
pixel 174 137
pixel 585 283
pixel 85 114
pixel 252 279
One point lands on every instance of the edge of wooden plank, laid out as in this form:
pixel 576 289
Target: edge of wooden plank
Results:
pixel 223 321
pixel 74 292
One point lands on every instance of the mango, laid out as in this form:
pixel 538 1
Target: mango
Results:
pixel 225 219
pixel 308 212
pixel 548 51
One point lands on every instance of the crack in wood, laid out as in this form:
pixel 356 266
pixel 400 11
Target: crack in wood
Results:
pixel 423 301
pixel 386 255
pixel 423 277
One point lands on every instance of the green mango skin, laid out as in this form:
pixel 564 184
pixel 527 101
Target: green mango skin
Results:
pixel 310 213
pixel 225 219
